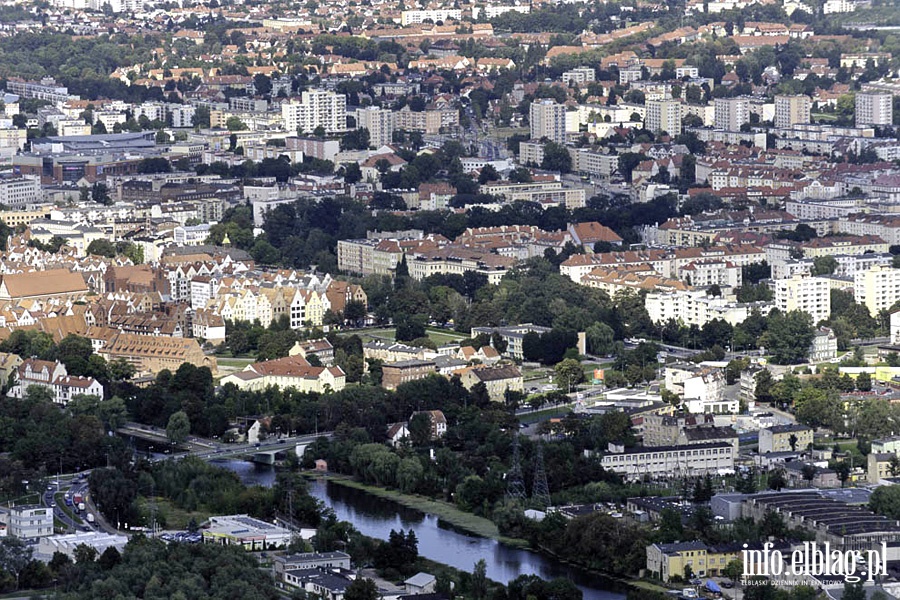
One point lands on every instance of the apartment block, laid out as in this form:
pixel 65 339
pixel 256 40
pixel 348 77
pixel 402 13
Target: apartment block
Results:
pixel 791 110
pixel 548 120
pixel 664 115
pixel 731 113
pixel 30 521
pixel 380 124
pixel 579 76
pixel 812 295
pixel 18 192
pixel 417 17
pixel 874 108
pixel 877 288
pixel 317 108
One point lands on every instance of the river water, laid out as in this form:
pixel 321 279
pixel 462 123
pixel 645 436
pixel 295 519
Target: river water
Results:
pixel 375 517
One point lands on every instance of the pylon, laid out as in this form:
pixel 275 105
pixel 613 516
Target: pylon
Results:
pixel 515 483
pixel 540 495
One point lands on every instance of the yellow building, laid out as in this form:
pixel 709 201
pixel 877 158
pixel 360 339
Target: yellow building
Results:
pixel 811 295
pixel 778 438
pixel 667 561
pixel 877 288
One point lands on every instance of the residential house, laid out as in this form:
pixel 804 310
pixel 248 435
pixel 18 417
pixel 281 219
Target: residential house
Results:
pixel 321 349
pixel 780 438
pixel 702 389
pixel 403 371
pixel 498 380
pixel 53 376
pixel 397 432
pixel 289 372
pixel 438 422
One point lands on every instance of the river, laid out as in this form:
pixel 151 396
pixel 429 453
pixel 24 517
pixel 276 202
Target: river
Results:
pixel 375 517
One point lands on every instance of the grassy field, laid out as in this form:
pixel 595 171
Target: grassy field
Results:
pixel 547 413
pixel 237 363
pixel 439 336
pixel 443 510
pixel 170 516
pixel 444 336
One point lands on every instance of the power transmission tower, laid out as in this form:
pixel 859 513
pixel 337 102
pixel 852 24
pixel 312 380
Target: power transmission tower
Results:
pixel 540 495
pixel 515 483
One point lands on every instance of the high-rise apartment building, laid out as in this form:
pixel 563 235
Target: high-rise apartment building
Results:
pixel 791 110
pixel 379 122
pixel 731 113
pixel 316 108
pixel 812 295
pixel 874 108
pixel 664 115
pixel 877 288
pixel 548 120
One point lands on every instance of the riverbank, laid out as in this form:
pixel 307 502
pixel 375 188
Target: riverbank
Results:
pixel 471 524
pixel 443 510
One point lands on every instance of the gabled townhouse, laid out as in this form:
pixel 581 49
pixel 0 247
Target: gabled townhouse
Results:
pixel 53 376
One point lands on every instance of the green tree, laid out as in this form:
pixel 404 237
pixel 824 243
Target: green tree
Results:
pixel 479 580
pixel 362 588
pixel 853 591
pixel 235 124
pixel 885 500
pixel 14 556
pixel 600 339
pixel 420 429
pixel 789 337
pixel 864 382
pixel 734 570
pixel 556 158
pixel 824 265
pixel 819 408
pixel 409 475
pixel 567 374
pixel 178 428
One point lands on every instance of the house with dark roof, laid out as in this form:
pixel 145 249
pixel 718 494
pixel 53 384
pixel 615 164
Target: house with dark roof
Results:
pixel 497 379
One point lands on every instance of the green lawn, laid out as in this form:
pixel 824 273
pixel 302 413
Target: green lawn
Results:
pixel 238 363
pixel 444 336
pixel 169 516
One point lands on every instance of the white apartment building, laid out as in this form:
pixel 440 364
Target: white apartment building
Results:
pixel 664 462
pixel 704 273
pixel 183 116
pixel 791 110
pixel 812 295
pixel 695 307
pixel 874 108
pixel 731 113
pixel 878 288
pixel 548 120
pixel 30 521
pixel 316 108
pixel 380 124
pixel 702 389
pixel 18 192
pixel 664 115
pixel 417 17
pixel 579 75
